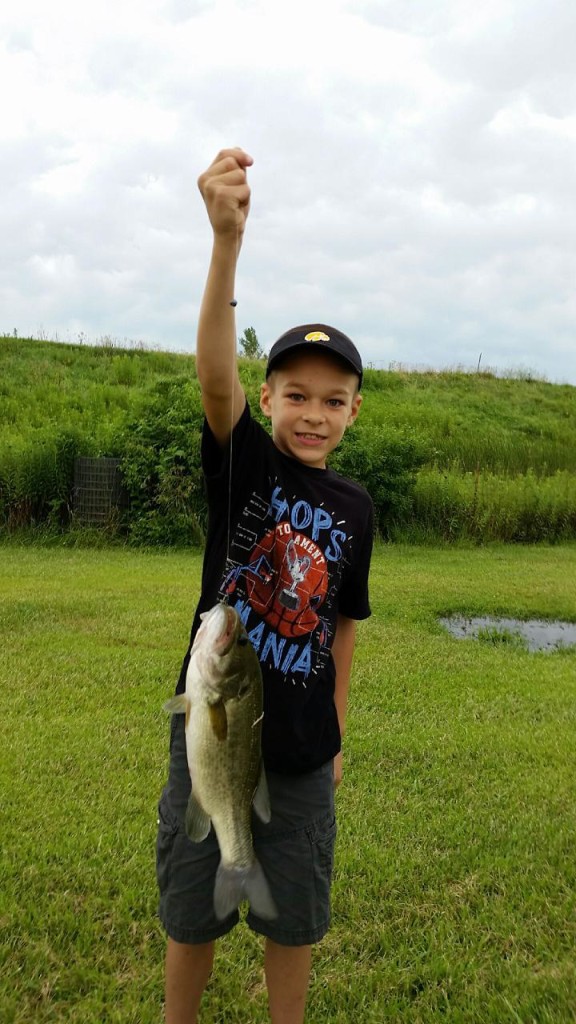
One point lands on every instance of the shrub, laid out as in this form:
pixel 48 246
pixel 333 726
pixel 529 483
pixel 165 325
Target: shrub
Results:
pixel 160 463
pixel 385 461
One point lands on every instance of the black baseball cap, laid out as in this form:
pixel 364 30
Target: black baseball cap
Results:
pixel 319 337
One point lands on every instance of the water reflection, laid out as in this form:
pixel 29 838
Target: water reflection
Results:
pixel 534 634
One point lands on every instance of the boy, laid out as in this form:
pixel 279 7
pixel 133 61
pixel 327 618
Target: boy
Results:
pixel 289 544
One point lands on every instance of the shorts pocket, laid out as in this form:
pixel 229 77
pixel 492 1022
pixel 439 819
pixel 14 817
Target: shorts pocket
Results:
pixel 167 832
pixel 323 839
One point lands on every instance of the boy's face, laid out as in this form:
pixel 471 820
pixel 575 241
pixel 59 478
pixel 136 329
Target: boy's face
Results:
pixel 310 399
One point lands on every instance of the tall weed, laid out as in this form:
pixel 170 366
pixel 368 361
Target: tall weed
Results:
pixel 485 506
pixel 36 479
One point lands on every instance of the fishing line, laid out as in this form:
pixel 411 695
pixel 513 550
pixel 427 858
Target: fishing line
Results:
pixel 230 454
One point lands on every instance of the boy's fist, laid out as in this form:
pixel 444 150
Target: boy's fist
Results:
pixel 226 193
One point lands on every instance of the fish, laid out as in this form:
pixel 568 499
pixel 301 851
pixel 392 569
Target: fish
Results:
pixel 223 705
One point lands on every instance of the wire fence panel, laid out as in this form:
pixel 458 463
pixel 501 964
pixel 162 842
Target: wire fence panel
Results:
pixel 99 492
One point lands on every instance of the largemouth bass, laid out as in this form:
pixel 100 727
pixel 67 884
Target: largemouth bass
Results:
pixel 223 708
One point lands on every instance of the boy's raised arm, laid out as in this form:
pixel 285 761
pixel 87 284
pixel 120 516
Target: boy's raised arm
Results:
pixel 226 193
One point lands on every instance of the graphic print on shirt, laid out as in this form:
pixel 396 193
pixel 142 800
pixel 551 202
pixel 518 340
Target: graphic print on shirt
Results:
pixel 285 589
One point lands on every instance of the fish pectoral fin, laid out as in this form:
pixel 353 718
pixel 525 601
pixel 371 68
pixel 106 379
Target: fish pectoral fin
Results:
pixel 261 798
pixel 218 719
pixel 177 705
pixel 196 822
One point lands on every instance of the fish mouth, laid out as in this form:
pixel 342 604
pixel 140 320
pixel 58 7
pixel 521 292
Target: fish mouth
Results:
pixel 221 624
pixel 229 631
pixel 226 626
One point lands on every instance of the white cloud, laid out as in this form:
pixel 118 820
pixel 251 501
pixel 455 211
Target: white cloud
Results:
pixel 413 178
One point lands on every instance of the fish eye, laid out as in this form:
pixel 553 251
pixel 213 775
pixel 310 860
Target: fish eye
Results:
pixel 243 690
pixel 242 640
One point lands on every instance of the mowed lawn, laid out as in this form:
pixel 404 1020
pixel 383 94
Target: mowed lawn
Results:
pixel 454 891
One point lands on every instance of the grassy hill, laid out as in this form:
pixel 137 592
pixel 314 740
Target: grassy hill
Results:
pixel 468 442
pixel 479 420
pixel 47 385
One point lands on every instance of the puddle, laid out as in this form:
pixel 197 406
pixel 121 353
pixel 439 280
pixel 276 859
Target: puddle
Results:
pixel 533 634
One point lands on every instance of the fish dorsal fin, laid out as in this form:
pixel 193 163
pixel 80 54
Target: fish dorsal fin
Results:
pixel 218 719
pixel 197 822
pixel 261 799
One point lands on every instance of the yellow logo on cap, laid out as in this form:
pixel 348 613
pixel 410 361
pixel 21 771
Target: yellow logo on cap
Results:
pixel 316 336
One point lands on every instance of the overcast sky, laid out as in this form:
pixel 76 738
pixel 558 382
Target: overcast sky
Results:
pixel 414 178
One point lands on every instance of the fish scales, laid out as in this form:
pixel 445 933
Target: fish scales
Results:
pixel 226 773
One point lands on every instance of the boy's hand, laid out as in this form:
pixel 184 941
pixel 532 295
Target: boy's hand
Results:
pixel 226 193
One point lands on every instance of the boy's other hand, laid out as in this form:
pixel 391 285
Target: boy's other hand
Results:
pixel 226 193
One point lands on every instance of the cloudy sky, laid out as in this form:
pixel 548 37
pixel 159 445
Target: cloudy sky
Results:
pixel 414 177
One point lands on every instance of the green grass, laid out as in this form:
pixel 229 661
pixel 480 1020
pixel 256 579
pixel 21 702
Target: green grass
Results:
pixel 454 891
pixel 47 386
pixel 479 421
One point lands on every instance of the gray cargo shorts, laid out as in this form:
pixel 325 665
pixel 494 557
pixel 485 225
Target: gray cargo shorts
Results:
pixel 295 849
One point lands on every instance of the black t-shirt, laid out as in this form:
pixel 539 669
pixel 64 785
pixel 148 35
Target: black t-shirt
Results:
pixel 300 547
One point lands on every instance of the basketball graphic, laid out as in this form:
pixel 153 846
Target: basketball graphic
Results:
pixel 288 598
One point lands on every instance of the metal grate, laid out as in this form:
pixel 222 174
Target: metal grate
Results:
pixel 98 489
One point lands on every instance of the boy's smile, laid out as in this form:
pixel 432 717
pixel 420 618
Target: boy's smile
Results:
pixel 311 399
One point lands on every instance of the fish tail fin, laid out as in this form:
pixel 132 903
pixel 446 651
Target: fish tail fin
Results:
pixel 236 884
